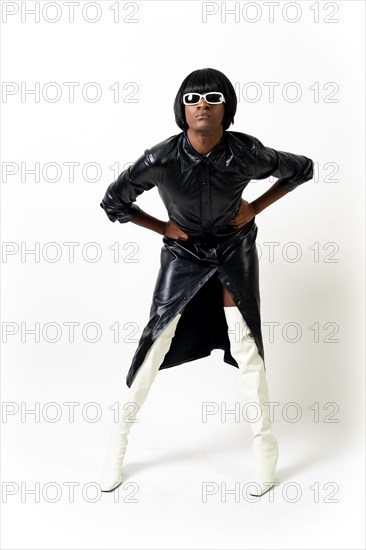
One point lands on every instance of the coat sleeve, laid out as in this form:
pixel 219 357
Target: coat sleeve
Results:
pixel 290 168
pixel 122 193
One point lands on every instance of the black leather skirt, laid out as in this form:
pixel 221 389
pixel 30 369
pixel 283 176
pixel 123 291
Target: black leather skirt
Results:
pixel 191 274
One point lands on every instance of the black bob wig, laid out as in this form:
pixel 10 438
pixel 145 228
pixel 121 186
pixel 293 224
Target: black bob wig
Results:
pixel 202 81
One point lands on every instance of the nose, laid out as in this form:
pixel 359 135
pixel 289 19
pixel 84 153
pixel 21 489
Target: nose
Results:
pixel 203 102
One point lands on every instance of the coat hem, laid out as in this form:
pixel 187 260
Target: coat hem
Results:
pixel 195 358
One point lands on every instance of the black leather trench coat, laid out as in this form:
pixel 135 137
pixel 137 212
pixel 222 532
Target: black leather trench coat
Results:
pixel 201 194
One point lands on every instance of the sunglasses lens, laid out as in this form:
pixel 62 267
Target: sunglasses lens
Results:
pixel 213 97
pixel 194 98
pixel 191 99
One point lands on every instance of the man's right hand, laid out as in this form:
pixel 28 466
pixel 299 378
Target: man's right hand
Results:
pixel 172 231
pixel 168 228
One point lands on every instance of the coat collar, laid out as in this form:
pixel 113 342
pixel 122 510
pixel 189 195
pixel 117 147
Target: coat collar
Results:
pixel 220 156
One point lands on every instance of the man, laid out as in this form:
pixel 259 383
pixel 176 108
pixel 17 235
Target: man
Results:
pixel 207 286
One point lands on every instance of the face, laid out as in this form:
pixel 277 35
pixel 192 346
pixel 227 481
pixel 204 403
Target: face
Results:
pixel 204 116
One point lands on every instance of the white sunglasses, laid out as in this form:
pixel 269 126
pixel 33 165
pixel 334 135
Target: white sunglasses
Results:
pixel 213 98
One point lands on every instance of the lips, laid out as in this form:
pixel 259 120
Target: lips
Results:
pixel 202 116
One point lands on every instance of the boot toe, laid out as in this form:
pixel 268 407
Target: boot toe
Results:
pixel 107 486
pixel 258 489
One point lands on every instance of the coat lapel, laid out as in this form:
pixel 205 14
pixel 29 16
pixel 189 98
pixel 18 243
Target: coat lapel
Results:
pixel 220 156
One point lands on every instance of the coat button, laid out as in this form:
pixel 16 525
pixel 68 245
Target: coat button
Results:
pixel 227 284
pixel 185 298
pixel 199 282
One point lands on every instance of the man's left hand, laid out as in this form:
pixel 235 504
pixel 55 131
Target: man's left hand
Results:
pixel 245 214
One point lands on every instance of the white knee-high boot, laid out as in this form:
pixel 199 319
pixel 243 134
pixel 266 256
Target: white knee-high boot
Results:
pixel 254 383
pixel 134 397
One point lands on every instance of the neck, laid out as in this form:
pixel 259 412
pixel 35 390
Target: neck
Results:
pixel 203 141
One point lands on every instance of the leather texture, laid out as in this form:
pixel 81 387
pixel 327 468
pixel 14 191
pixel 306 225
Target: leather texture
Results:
pixel 255 396
pixel 202 193
pixel 135 396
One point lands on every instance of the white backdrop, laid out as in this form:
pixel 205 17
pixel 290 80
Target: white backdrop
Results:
pixel 126 61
